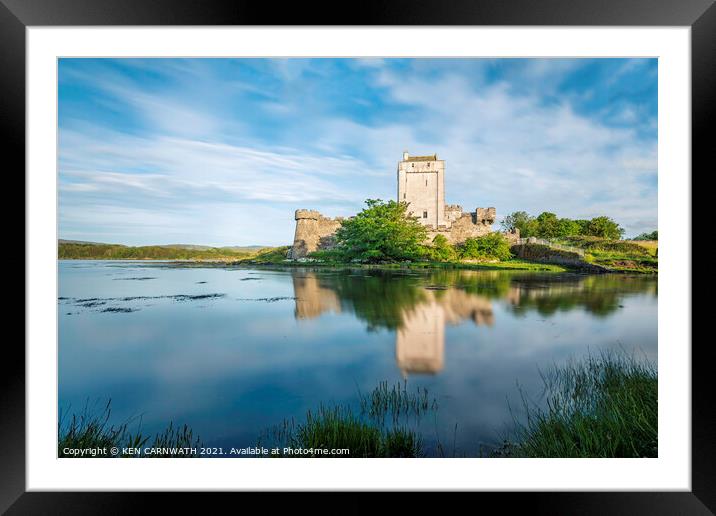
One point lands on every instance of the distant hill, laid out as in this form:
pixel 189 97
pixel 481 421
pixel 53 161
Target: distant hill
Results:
pixel 238 248
pixel 81 250
pixel 82 242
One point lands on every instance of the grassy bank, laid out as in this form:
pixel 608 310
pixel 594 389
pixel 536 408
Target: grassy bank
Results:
pixel 603 406
pixel 618 255
pixel 92 251
pixel 516 265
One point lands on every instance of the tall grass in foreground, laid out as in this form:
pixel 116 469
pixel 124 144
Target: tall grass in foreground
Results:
pixel 396 401
pixel 337 427
pixel 380 429
pixel 603 406
pixel 92 429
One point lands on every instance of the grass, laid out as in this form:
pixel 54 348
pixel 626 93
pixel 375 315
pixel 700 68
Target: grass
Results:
pixel 75 251
pixel 367 434
pixel 333 428
pixel 513 264
pixel 396 401
pixel 618 255
pixel 604 406
pixel 91 429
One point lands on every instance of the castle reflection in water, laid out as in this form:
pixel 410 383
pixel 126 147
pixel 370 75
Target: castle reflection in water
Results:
pixel 418 307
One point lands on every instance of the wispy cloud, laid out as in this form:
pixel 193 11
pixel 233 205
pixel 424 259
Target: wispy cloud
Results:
pixel 223 151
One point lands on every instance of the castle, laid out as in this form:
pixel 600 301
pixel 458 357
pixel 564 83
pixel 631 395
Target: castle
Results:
pixel 421 184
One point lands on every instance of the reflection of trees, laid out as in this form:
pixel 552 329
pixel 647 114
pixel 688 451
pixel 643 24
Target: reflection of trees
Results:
pixel 599 295
pixel 418 306
pixel 379 298
pixel 385 298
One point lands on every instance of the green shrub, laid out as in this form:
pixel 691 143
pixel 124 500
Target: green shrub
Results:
pixel 490 246
pixel 441 250
pixel 654 235
pixel 328 255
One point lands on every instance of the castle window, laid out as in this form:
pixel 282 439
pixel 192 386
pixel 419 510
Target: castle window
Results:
pixel 425 214
pixel 426 182
pixel 403 195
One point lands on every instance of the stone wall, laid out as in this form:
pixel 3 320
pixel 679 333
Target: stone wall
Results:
pixel 468 225
pixel 545 254
pixel 313 232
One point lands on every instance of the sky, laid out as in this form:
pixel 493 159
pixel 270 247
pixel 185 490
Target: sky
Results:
pixel 223 151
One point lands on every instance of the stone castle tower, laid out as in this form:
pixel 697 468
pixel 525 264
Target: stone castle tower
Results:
pixel 421 183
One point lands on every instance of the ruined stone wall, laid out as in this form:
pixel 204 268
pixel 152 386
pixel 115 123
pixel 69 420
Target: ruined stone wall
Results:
pixel 452 213
pixel 313 232
pixel 468 225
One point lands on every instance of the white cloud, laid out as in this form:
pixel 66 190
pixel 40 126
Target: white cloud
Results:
pixel 183 179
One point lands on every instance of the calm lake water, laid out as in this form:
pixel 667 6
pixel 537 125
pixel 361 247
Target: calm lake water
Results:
pixel 234 351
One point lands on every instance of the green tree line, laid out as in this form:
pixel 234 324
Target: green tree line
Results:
pixel 548 225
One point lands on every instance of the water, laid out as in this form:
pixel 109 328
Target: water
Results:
pixel 234 351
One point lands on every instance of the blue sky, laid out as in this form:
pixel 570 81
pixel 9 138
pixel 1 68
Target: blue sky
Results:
pixel 222 151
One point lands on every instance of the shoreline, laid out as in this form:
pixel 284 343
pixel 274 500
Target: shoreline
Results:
pixel 516 265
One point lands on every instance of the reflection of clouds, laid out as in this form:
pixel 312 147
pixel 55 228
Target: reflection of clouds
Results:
pixel 234 368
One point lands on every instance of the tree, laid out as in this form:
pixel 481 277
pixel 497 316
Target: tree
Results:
pixel 604 227
pixel 654 235
pixel 583 226
pixel 382 232
pixel 520 220
pixel 547 225
pixel 442 250
pixel 492 245
pixel 567 228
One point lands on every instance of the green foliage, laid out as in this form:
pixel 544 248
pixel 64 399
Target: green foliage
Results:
pixel 618 255
pixel 654 235
pixel 328 255
pixel 270 255
pixel 547 225
pixel 520 220
pixel 567 227
pixel 604 227
pixel 601 407
pixel 491 246
pixel 382 232
pixel 596 244
pixel 442 250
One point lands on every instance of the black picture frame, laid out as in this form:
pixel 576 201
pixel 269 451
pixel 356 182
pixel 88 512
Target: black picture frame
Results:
pixel 700 15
